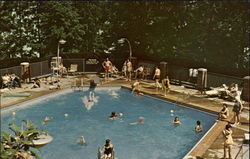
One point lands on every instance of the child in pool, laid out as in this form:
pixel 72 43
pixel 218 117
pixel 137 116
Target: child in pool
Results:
pixel 198 127
pixel 176 121
pixel 113 115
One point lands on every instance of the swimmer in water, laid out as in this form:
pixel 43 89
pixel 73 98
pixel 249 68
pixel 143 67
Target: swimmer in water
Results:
pixel 198 127
pixel 113 115
pixel 139 94
pixel 176 121
pixel 66 115
pixel 140 121
pixel 81 141
pixel 46 119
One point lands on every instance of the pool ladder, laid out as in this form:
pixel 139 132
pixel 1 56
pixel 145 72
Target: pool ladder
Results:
pixel 100 154
pixel 77 85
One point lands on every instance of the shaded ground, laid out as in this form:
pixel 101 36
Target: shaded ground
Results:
pixel 210 147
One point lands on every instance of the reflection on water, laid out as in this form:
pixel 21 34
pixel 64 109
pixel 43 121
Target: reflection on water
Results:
pixel 89 101
pixel 114 94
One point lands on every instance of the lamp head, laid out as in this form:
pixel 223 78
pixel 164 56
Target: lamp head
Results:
pixel 62 41
pixel 122 40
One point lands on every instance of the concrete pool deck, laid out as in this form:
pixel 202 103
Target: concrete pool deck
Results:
pixel 212 144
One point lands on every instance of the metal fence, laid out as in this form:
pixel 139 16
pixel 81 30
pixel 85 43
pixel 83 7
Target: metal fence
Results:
pixel 182 74
pixel 215 80
pixel 16 69
pixel 37 69
pixel 93 65
pixel 40 69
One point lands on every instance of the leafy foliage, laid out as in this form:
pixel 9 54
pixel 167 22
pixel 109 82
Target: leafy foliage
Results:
pixel 211 33
pixel 19 143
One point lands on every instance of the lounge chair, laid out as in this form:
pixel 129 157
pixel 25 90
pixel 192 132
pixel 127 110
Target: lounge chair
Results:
pixel 73 68
pixel 216 92
pixel 146 73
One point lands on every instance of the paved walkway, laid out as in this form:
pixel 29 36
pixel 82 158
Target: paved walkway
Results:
pixel 211 147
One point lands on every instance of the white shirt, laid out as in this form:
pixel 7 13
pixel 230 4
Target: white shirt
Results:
pixel 139 69
pixel 157 72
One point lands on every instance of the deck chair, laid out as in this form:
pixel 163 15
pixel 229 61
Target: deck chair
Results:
pixel 146 73
pixel 73 68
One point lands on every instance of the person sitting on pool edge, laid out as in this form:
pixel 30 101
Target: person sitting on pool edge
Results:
pixel 135 86
pixel 108 149
pixel 176 121
pixel 113 115
pixel 198 127
pixel 224 113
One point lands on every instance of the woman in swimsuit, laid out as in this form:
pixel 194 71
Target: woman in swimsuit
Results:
pixel 198 127
pixel 108 149
pixel 224 113
pixel 227 132
pixel 165 85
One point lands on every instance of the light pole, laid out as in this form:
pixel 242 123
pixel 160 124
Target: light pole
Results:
pixel 1 99
pixel 130 49
pixel 58 51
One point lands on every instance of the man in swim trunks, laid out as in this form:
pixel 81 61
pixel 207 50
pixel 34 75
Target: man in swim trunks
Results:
pixel 157 78
pixel 107 65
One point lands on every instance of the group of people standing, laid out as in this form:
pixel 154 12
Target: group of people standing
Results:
pixel 165 82
pixel 127 69
pixel 227 132
pixel 237 109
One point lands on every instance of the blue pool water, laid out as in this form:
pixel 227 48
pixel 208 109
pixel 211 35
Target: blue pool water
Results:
pixel 157 138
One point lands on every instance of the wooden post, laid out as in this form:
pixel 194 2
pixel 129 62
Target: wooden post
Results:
pixel 245 92
pixel 202 80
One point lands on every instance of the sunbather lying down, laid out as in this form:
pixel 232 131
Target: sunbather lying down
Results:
pixel 225 92
pixel 216 91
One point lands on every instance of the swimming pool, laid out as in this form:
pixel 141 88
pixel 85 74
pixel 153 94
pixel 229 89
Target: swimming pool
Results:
pixel 157 138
